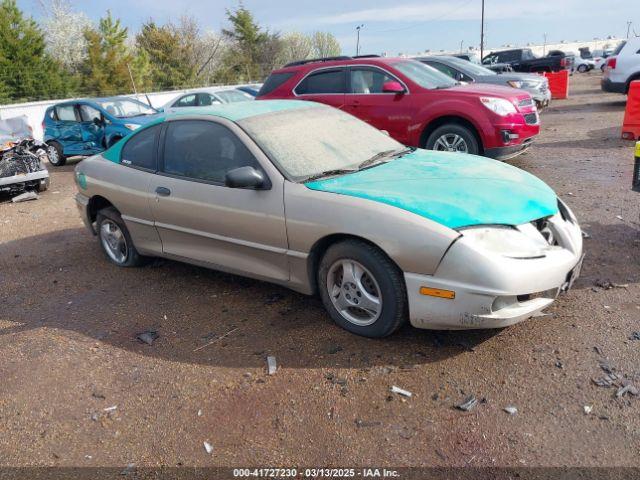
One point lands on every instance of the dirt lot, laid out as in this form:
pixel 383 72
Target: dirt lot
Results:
pixel 68 348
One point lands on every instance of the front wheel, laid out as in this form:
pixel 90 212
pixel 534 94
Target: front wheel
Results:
pixel 582 68
pixel 362 289
pixel 115 240
pixel 453 138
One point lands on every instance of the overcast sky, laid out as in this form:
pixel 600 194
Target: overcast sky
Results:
pixel 395 26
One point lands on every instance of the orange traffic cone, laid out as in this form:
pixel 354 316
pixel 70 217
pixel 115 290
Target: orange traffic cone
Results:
pixel 558 84
pixel 631 124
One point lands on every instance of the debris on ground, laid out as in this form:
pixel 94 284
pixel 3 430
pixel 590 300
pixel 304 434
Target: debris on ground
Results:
pixel 619 217
pixel 110 409
pixel 208 448
pixel 216 339
pixel 585 235
pixel 630 389
pixel 587 409
pixel 468 404
pixel 362 423
pixel 148 337
pixel 635 336
pixel 271 365
pixel 607 285
pixel 199 413
pixel 510 410
pixel 400 391
pixel 607 381
pixel 25 197
pixel 559 364
pixel 274 298
pixel 333 349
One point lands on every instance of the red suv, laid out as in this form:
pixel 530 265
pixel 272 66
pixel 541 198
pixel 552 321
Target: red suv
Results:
pixel 418 105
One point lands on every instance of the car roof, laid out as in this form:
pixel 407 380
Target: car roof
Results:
pixel 341 62
pixel 243 110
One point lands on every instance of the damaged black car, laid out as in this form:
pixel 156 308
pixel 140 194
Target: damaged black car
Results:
pixel 21 158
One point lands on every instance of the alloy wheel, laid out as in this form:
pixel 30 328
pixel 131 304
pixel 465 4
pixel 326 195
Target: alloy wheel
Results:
pixel 354 292
pixel 114 241
pixel 451 142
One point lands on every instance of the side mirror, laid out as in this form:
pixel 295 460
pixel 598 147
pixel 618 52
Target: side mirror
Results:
pixel 392 87
pixel 244 177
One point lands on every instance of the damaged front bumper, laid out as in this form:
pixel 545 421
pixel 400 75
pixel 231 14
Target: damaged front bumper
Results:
pixel 25 181
pixel 493 291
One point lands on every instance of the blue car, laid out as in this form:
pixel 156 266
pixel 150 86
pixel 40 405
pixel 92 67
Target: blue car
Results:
pixel 87 127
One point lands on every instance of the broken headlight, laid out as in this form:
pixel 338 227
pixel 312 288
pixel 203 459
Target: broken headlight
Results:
pixel 506 241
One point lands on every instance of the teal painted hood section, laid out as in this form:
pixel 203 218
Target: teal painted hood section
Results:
pixel 455 190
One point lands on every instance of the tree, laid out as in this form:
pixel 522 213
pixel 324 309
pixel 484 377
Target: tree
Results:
pixel 295 46
pixel 64 33
pixel 180 55
pixel 26 70
pixel 325 45
pixel 111 65
pixel 253 53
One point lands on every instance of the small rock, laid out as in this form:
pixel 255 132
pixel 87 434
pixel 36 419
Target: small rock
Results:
pixel 363 424
pixel 635 336
pixel 110 409
pixel 148 337
pixel 510 410
pixel 208 448
pixel 587 409
pixel 334 349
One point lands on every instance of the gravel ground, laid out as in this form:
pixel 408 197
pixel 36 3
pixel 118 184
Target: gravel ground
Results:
pixel 68 348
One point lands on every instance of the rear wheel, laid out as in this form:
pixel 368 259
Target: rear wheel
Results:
pixel 582 68
pixel 115 240
pixel 362 289
pixel 453 138
pixel 55 154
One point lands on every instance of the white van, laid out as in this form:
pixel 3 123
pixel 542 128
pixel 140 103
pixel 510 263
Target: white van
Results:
pixel 622 67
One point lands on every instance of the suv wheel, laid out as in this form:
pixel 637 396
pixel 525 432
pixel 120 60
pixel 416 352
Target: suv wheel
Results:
pixel 582 68
pixel 452 138
pixel 362 289
pixel 55 154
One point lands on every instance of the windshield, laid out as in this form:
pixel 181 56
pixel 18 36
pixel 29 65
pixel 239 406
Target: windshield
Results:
pixel 126 107
pixel 232 96
pixel 471 67
pixel 424 75
pixel 306 142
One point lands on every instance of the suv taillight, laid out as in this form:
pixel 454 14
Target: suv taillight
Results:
pixel 611 63
pixel 563 62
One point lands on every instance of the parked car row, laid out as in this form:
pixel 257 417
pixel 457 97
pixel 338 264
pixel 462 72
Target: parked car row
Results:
pixel 523 60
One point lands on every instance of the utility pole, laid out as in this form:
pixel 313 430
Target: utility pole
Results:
pixel 461 42
pixel 628 27
pixel 544 45
pixel 482 34
pixel 358 39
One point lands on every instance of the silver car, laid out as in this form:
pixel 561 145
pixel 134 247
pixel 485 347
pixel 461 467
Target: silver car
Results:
pixel 312 198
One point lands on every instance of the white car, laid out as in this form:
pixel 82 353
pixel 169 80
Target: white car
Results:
pixel 583 65
pixel 206 98
pixel 622 67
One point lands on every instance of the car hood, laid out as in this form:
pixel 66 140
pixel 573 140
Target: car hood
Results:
pixel 503 78
pixel 455 190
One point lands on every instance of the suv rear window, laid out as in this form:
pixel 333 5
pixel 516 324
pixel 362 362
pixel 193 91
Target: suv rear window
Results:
pixel 323 81
pixel 274 81
pixel 619 48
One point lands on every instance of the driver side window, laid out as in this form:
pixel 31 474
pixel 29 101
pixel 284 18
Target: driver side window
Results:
pixel 204 151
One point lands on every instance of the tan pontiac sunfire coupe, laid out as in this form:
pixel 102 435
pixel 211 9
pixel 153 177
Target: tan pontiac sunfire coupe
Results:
pixel 312 198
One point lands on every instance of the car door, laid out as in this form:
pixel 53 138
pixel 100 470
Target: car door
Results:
pixel 190 100
pixel 391 112
pixel 91 127
pixel 201 220
pixel 206 100
pixel 325 85
pixel 67 125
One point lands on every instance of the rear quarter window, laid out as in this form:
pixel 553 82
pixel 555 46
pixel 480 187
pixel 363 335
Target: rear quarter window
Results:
pixel 274 81
pixel 141 149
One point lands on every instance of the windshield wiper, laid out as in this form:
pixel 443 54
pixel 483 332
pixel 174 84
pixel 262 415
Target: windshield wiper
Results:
pixel 329 173
pixel 395 153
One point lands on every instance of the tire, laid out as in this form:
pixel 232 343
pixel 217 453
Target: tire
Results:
pixel 55 154
pixel 583 68
pixel 117 247
pixel 374 278
pixel 43 186
pixel 450 134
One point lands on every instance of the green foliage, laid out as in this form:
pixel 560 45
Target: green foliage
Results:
pixel 26 71
pixel 325 45
pixel 110 63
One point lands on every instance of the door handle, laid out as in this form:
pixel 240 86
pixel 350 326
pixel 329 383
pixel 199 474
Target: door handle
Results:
pixel 163 191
